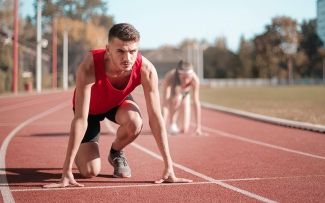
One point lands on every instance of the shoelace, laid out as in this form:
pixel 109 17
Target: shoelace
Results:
pixel 120 160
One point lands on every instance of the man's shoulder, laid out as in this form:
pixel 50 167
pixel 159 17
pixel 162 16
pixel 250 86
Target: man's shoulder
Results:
pixel 148 72
pixel 146 64
pixel 87 64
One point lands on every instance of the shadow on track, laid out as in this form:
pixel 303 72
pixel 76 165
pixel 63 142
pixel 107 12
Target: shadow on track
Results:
pixel 37 177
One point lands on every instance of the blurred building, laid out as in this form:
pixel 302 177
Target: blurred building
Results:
pixel 320 22
pixel 164 58
pixel 26 56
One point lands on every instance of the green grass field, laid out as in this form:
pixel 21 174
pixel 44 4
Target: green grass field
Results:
pixel 298 103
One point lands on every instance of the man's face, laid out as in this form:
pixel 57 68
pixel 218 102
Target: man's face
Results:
pixel 123 53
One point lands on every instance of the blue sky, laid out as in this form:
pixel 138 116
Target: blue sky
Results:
pixel 169 22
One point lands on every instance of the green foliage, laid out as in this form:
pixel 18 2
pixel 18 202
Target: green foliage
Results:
pixel 2 83
pixel 245 59
pixel 88 29
pixel 80 9
pixel 219 63
pixel 6 64
pixel 266 55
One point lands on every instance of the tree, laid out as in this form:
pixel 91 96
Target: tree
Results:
pixel 82 37
pixel 311 46
pixel 245 58
pixel 88 28
pixel 281 37
pixel 83 10
pixel 219 62
pixel 265 56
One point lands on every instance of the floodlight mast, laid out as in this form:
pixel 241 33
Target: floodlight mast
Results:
pixel 15 69
pixel 54 53
pixel 39 49
pixel 65 58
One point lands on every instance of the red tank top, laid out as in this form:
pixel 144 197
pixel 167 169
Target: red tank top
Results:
pixel 103 95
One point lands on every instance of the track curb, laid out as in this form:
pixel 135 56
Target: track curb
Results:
pixel 268 119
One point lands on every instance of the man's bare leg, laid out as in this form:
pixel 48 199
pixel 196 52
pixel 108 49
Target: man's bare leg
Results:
pixel 128 116
pixel 88 159
pixel 130 121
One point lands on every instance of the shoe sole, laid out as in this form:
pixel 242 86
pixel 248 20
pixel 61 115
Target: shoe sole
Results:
pixel 117 176
pixel 122 176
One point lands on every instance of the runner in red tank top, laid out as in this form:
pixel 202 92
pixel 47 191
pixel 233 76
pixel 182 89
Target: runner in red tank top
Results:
pixel 104 96
pixel 105 79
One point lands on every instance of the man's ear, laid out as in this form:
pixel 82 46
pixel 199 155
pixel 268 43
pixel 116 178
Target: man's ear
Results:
pixel 107 49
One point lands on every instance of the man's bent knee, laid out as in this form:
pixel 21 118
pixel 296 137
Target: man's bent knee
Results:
pixel 135 127
pixel 89 173
pixel 88 159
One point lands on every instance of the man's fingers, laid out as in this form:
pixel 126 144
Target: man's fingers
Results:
pixel 53 185
pixel 159 181
pixel 183 180
pixel 58 185
pixel 77 184
pixel 177 180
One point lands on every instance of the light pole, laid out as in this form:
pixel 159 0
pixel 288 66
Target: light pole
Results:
pixel 65 58
pixel 200 48
pixel 39 49
pixel 289 66
pixel 203 46
pixel 323 70
pixel 54 53
pixel 15 71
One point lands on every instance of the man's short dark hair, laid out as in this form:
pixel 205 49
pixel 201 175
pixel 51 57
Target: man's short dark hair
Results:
pixel 124 32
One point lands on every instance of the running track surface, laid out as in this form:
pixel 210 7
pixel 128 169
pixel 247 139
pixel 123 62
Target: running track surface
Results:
pixel 241 160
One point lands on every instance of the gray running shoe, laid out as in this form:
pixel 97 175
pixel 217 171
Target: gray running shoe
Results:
pixel 120 164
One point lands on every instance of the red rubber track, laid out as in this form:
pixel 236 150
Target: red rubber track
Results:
pixel 242 160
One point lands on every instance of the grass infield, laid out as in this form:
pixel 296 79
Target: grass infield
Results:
pixel 297 103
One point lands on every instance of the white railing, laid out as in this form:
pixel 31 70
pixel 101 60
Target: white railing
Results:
pixel 229 82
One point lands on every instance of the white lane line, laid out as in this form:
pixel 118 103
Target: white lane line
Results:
pixel 37 101
pixel 5 191
pixel 255 196
pixel 258 142
pixel 153 184
pixel 108 187
pixel 273 178
pixel 40 123
pixel 252 141
pixel 218 182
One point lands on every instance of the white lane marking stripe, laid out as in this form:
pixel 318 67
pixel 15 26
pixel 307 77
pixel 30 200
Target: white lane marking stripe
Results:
pixel 40 123
pixel 5 191
pixel 107 187
pixel 258 142
pixel 26 104
pixel 203 176
pixel 252 141
pixel 263 199
pixel 152 185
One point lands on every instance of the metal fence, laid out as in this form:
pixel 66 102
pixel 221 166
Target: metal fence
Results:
pixel 259 82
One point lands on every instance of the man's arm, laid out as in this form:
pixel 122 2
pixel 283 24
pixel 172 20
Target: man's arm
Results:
pixel 85 79
pixel 149 81
pixel 166 91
